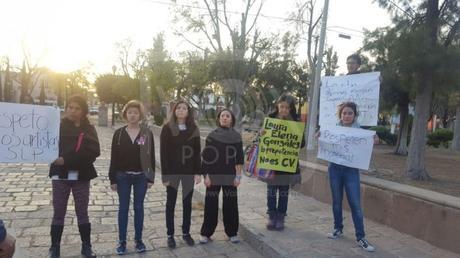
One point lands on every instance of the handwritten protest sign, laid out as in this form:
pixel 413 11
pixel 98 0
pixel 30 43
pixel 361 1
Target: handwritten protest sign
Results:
pixel 280 145
pixel 28 133
pixel 351 147
pixel 363 89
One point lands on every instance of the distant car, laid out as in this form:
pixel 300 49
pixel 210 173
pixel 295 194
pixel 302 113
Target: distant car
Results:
pixel 94 111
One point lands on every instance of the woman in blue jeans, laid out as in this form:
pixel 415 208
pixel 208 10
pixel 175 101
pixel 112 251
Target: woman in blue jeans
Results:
pixel 343 177
pixel 132 166
pixel 278 186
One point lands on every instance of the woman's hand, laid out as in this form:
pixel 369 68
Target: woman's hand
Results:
pixel 237 181
pixel 166 183
pixel 376 139
pixel 149 185
pixel 113 187
pixel 318 134
pixel 197 179
pixel 207 181
pixel 262 132
pixel 59 161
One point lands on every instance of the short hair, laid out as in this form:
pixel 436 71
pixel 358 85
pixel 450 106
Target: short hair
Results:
pixel 355 57
pixel 134 104
pixel 231 114
pixel 349 104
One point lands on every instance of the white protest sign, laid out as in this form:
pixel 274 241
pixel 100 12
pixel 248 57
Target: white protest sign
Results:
pixel 351 147
pixel 362 89
pixel 28 133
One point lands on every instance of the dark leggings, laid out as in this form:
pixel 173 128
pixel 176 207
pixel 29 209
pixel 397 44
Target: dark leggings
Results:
pixel 61 192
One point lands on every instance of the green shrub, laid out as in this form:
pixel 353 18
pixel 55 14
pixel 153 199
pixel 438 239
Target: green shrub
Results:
pixel 385 135
pixel 440 136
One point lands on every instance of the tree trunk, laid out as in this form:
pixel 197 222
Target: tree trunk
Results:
pixel 456 140
pixel 416 161
pixel 401 145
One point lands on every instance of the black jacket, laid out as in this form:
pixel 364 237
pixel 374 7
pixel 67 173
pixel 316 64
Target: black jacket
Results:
pixel 179 151
pixel 223 151
pixel 79 146
pixel 128 156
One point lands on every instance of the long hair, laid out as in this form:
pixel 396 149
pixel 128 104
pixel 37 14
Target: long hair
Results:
pixel 292 108
pixel 189 121
pixel 80 101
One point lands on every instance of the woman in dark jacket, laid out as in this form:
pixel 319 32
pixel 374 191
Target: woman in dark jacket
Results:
pixel 278 186
pixel 222 165
pixel 132 167
pixel 180 164
pixel 72 172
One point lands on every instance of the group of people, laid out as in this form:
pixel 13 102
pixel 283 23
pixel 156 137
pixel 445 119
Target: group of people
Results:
pixel 183 162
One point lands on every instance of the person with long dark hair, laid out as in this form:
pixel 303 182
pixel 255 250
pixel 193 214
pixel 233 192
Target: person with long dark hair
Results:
pixel 132 167
pixel 222 162
pixel 72 172
pixel 180 164
pixel 278 186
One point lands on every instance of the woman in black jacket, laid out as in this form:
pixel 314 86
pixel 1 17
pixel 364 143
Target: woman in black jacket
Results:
pixel 132 167
pixel 222 165
pixel 72 172
pixel 180 163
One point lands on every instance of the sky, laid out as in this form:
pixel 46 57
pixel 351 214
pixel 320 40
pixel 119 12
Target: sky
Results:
pixel 67 35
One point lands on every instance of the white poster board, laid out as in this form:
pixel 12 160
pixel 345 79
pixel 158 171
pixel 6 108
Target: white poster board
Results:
pixel 363 89
pixel 28 133
pixel 351 147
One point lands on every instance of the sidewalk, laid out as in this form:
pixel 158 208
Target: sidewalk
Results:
pixel 307 225
pixel 25 206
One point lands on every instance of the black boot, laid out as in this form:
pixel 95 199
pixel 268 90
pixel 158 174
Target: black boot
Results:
pixel 271 222
pixel 56 234
pixel 85 235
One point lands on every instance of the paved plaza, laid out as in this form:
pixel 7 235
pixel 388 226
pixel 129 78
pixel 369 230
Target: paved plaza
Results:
pixel 25 206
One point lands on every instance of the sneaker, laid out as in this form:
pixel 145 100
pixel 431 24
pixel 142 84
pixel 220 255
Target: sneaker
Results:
pixel 188 239
pixel 365 245
pixel 204 240
pixel 140 246
pixel 171 242
pixel 337 233
pixel 234 239
pixel 121 249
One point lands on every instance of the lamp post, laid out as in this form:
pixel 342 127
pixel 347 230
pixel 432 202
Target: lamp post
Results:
pixel 313 113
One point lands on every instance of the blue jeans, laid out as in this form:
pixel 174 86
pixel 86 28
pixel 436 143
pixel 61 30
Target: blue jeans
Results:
pixel 280 191
pixel 124 184
pixel 342 177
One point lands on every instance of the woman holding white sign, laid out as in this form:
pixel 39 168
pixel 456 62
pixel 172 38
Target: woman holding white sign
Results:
pixel 278 186
pixel 342 177
pixel 72 172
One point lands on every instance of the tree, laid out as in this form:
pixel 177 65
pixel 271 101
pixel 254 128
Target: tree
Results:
pixel 8 86
pixel 42 94
pixel 396 86
pixel 234 64
pixel 456 140
pixel 161 71
pixel 427 34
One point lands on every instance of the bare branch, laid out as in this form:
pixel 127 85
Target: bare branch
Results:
pixel 255 19
pixel 453 32
pixel 189 41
